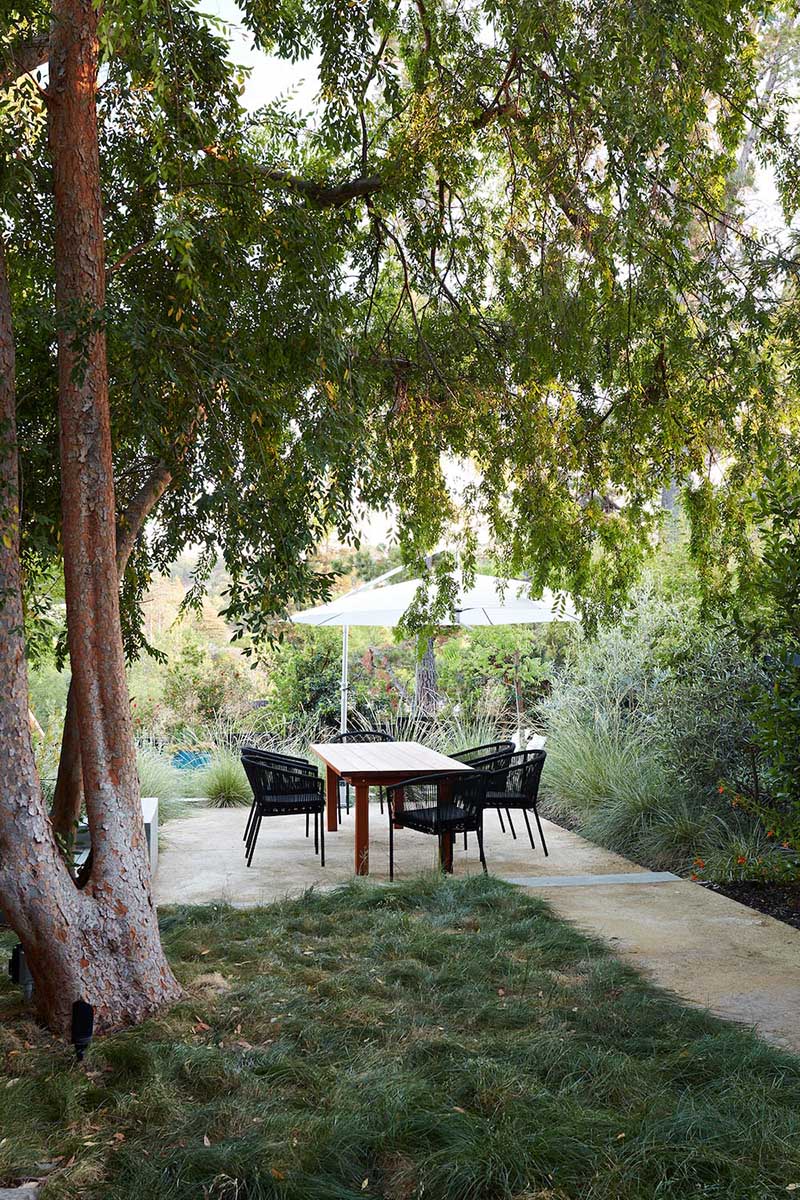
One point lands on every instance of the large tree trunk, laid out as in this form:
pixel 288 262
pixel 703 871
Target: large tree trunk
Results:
pixel 68 796
pixel 37 894
pixel 100 944
pixel 78 945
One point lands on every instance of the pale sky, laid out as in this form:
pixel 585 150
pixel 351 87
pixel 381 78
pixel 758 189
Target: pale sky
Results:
pixel 271 76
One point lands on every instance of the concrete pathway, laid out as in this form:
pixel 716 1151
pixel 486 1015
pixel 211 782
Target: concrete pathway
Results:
pixel 707 949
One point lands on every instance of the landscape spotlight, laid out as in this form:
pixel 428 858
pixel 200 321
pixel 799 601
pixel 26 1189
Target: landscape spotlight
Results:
pixel 82 1027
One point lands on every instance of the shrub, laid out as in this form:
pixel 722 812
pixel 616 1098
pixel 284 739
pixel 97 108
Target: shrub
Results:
pixel 777 716
pixel 474 728
pixel 224 783
pixel 767 600
pixel 448 731
pixel 642 723
pixel 229 733
pixel 199 684
pixel 743 851
pixel 512 663
pixel 305 676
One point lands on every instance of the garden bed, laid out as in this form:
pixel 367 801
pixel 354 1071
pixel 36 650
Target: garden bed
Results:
pixel 778 900
pixel 440 1039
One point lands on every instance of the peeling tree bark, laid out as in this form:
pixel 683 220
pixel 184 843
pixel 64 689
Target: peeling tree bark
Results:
pixel 38 896
pixel 69 794
pixel 100 944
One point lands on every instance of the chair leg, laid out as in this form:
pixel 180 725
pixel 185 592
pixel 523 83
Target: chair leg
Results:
pixel 252 833
pixel 380 798
pixel 250 816
pixel 252 847
pixel 391 844
pixel 306 824
pixel 339 800
pixel 502 826
pixel 541 831
pixel 347 798
pixel 465 839
pixel 316 834
pixel 511 825
pixel 527 822
pixel 479 832
pixel 322 838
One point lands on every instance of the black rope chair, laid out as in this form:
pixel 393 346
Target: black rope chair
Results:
pixel 440 805
pixel 282 789
pixel 292 760
pixel 490 756
pixel 514 783
pixel 360 735
pixel 472 754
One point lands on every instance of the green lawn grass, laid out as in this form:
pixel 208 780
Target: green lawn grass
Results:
pixel 439 1039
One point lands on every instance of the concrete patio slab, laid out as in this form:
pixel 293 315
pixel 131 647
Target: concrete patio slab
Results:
pixel 202 856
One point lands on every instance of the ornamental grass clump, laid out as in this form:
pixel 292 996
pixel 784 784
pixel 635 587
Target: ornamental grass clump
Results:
pixel 223 782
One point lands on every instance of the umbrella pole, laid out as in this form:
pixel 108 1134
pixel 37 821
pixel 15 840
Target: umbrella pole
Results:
pixel 345 640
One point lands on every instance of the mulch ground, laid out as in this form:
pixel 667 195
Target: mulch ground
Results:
pixel 778 900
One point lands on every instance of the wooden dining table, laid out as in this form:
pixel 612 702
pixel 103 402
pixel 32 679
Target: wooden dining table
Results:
pixel 375 764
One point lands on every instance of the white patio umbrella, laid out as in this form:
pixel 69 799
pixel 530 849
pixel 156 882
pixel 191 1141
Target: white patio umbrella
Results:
pixel 490 601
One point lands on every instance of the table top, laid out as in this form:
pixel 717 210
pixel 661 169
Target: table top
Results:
pixel 385 758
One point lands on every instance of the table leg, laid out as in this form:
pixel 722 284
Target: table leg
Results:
pixel 332 798
pixel 446 839
pixel 362 829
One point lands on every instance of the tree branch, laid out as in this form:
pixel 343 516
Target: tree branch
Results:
pixel 24 57
pixel 324 195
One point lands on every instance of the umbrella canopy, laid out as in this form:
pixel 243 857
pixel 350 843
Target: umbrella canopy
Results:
pixel 490 601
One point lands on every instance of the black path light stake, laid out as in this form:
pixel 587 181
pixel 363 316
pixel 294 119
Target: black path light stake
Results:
pixel 18 971
pixel 82 1027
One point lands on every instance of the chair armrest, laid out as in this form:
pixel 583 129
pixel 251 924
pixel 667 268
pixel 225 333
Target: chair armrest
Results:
pixel 301 783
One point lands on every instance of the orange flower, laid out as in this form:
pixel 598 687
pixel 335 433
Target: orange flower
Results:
pixel 693 876
pixel 721 788
pixel 698 862
pixel 770 833
pixel 741 860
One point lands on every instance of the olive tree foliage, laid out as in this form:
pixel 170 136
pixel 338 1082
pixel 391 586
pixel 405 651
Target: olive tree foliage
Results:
pixel 506 235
